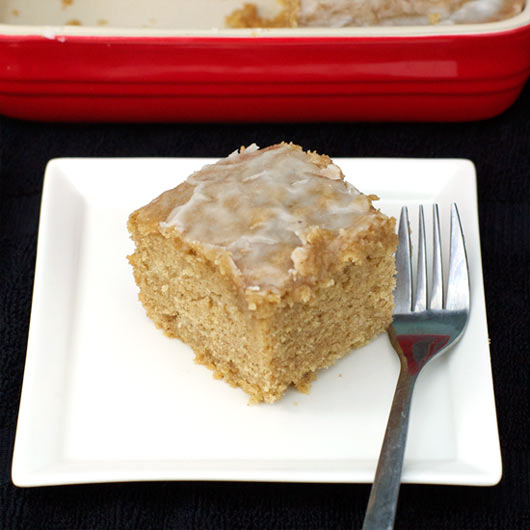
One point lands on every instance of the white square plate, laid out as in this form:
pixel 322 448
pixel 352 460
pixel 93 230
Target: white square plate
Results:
pixel 107 397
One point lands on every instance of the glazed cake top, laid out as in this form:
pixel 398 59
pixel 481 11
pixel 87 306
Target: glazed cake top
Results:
pixel 348 13
pixel 270 209
pixel 339 13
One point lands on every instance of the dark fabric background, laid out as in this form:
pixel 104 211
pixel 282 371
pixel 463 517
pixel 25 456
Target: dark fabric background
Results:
pixel 500 148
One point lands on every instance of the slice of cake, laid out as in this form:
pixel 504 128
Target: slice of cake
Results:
pixel 341 13
pixel 268 264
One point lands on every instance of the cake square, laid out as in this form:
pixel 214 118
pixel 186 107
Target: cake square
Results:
pixel 268 264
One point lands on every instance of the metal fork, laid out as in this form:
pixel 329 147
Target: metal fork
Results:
pixel 421 329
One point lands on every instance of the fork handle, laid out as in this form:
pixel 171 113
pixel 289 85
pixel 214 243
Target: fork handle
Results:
pixel 382 504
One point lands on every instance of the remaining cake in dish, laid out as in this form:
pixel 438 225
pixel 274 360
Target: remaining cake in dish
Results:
pixel 268 264
pixel 341 13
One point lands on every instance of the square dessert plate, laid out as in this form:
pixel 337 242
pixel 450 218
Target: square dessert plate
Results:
pixel 107 397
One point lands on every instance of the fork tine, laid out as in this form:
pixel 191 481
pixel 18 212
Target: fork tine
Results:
pixel 458 280
pixel 437 290
pixel 403 290
pixel 420 300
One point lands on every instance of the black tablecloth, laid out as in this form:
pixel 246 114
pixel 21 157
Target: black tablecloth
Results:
pixel 500 148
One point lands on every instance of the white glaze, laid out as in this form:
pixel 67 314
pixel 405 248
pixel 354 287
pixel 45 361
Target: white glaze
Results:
pixel 260 204
pixel 341 13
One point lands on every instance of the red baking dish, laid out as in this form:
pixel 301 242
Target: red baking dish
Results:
pixel 105 73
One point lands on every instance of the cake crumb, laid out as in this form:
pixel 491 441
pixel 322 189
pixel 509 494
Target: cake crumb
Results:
pixel 73 22
pixel 295 403
pixel 434 18
pixel 66 3
pixel 15 12
pixel 102 22
pixel 304 385
pixel 340 375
